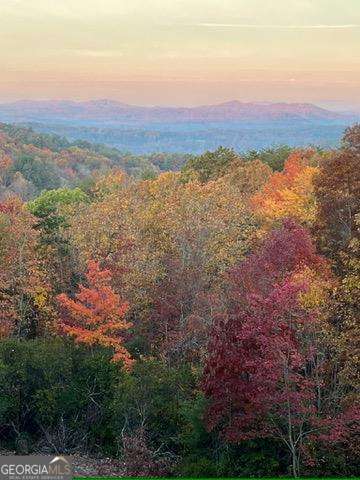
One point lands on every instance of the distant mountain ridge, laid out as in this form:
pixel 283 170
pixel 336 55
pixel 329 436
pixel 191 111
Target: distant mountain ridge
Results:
pixel 117 111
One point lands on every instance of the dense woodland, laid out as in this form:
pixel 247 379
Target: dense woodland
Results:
pixel 202 321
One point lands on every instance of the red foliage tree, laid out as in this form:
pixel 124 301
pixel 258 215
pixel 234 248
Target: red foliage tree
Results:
pixel 96 316
pixel 264 371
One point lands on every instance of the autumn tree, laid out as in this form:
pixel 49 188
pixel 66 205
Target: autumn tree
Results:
pixel 248 177
pixel 96 225
pixel 289 193
pixel 344 315
pixel 24 292
pixel 97 315
pixel 337 191
pixel 337 229
pixel 263 376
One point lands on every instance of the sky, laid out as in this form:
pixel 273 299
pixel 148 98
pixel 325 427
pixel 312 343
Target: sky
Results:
pixel 182 52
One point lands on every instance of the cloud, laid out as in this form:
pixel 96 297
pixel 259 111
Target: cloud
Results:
pixel 271 26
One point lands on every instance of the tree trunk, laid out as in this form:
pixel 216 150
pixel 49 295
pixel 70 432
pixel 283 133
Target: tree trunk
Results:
pixel 295 463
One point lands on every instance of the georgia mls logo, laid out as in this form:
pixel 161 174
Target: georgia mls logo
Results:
pixel 59 466
pixel 35 467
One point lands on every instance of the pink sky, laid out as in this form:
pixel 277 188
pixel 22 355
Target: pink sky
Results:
pixel 182 52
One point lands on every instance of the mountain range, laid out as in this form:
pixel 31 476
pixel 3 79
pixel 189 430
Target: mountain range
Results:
pixel 112 110
pixel 145 129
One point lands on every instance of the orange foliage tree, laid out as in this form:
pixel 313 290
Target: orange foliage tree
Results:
pixel 289 193
pixel 97 315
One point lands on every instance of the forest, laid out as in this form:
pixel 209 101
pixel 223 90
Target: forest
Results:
pixel 187 315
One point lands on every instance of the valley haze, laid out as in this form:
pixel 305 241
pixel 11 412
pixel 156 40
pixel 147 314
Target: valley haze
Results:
pixel 146 129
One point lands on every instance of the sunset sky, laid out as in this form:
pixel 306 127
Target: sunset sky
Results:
pixel 182 52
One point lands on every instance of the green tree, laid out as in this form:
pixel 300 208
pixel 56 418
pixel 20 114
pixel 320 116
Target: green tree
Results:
pixel 274 157
pixel 210 165
pixel 53 210
pixel 41 173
